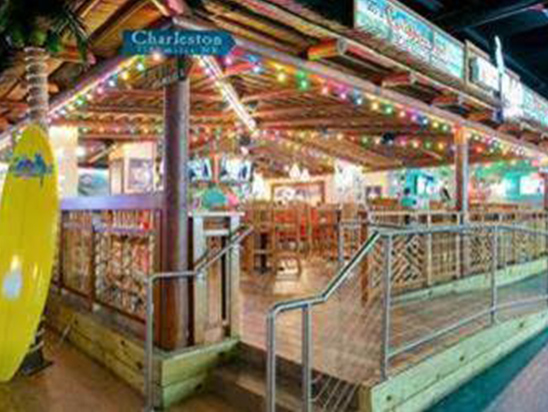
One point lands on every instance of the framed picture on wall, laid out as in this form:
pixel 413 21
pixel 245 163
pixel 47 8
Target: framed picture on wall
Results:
pixel 312 193
pixel 140 177
pixel 373 192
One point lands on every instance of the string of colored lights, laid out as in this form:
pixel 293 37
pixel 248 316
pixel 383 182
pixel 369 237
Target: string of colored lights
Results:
pixel 214 70
pixel 304 82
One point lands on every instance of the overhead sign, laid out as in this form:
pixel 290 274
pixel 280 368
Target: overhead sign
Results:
pixel 535 108
pixel 484 74
pixel 390 22
pixel 178 42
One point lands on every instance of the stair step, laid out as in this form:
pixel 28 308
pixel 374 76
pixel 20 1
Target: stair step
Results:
pixel 245 388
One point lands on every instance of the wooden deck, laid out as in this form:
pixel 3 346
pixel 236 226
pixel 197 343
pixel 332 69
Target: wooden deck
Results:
pixel 76 383
pixel 346 332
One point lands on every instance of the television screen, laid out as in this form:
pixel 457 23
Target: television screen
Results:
pixel 235 169
pixel 424 185
pixel 200 170
pixel 529 186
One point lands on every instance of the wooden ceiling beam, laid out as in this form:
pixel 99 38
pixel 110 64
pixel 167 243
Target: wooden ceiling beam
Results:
pixel 159 94
pixel 399 79
pixel 114 125
pixel 113 25
pixel 317 122
pixel 448 100
pixel 13 105
pixel 352 153
pixel 327 49
pixel 126 137
pixel 272 94
pixel 71 54
pixel 296 109
pixel 482 116
pixel 171 8
pixel 121 111
pixel 129 111
pixel 238 68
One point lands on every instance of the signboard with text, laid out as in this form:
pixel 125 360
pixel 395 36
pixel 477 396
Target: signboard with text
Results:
pixel 392 23
pixel 177 42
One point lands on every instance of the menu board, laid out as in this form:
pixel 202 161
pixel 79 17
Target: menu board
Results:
pixel 388 21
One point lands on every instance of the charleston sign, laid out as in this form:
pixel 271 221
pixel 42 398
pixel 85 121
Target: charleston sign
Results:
pixel 177 42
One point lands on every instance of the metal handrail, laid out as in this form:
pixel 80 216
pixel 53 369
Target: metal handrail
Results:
pixel 305 304
pixel 496 229
pixel 388 233
pixel 198 272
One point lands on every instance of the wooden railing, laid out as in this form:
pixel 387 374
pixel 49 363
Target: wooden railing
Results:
pixel 107 249
pixel 426 260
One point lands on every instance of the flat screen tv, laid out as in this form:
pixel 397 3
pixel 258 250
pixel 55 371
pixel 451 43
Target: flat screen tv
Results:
pixel 200 170
pixel 235 169
pixel 530 186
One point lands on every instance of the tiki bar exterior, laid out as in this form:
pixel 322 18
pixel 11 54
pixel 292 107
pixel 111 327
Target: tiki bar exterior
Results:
pixel 270 206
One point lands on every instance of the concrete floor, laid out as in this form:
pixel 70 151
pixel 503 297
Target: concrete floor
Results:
pixel 75 383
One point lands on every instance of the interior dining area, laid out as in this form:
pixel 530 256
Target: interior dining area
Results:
pixel 209 203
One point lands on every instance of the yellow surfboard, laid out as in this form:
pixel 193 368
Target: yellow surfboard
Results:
pixel 28 228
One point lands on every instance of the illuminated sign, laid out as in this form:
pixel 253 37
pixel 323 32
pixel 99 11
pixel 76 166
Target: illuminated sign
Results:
pixel 389 22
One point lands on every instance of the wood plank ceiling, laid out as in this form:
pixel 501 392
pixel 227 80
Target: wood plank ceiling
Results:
pixel 303 124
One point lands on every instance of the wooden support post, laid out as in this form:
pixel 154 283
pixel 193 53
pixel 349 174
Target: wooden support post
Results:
pixel 545 179
pixel 233 283
pixel 201 284
pixel 462 176
pixel 175 321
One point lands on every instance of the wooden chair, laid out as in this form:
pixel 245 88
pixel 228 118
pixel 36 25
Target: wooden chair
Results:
pixel 286 236
pixel 326 236
pixel 260 246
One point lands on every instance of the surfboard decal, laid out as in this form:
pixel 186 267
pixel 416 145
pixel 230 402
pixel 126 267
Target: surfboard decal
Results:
pixel 26 168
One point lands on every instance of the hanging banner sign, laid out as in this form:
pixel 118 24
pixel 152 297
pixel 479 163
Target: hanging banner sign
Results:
pixel 177 42
pixel 535 108
pixel 411 35
pixel 512 97
pixel 484 74
pixel 448 55
pixel 387 21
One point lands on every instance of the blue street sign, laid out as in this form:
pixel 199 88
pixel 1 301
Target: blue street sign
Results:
pixel 177 42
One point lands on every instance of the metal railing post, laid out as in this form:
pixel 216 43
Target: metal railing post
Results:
pixel 149 346
pixel 340 244
pixel 386 307
pixel 494 265
pixel 429 272
pixel 271 363
pixel 307 359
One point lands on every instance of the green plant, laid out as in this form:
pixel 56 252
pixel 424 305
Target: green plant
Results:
pixel 41 23
pixel 36 28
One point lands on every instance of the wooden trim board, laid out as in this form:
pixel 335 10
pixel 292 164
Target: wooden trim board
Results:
pixel 429 381
pixel 178 374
